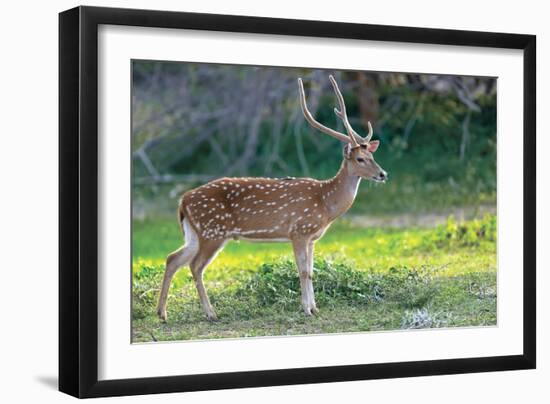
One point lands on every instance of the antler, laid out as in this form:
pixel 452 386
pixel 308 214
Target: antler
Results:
pixel 342 114
pixel 317 125
pixel 369 136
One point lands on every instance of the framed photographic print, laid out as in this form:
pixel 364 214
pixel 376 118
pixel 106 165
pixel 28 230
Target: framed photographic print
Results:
pixel 251 201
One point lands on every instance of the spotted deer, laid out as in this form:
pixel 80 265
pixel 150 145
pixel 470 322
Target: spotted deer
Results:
pixel 295 210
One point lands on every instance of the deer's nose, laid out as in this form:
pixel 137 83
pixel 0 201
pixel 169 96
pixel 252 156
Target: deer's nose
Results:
pixel 383 175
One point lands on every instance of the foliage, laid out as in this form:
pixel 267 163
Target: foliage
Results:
pixel 471 233
pixel 364 279
pixel 193 122
pixel 337 282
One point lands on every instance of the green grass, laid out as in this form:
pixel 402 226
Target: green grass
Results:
pixel 364 278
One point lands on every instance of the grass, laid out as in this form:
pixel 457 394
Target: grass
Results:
pixel 365 279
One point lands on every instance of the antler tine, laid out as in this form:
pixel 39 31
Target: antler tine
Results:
pixel 342 114
pixel 369 136
pixel 312 121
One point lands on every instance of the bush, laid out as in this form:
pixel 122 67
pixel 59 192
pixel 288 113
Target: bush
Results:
pixel 277 284
pixel 466 234
pixel 411 287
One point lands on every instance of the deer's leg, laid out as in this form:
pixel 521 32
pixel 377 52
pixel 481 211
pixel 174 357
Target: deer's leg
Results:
pixel 303 252
pixel 207 252
pixel 310 250
pixel 182 256
pixel 174 262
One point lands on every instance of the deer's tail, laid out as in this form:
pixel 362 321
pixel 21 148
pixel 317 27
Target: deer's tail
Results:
pixel 181 213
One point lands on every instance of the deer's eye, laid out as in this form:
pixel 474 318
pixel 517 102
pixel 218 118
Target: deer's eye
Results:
pixel 363 146
pixel 360 159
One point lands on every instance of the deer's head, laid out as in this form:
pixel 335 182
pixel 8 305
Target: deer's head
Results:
pixel 358 150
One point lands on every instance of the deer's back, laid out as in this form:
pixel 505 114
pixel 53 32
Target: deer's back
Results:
pixel 256 208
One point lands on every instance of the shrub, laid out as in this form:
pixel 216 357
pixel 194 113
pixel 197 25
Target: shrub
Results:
pixel 410 287
pixel 277 284
pixel 470 233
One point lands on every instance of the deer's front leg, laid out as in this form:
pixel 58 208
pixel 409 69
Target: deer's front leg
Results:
pixel 311 293
pixel 303 252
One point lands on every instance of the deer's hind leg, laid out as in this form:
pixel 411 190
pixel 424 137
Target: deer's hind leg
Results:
pixel 207 252
pixel 179 258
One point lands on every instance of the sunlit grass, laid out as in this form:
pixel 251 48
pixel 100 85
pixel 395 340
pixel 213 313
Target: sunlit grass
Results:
pixel 452 266
pixel 365 249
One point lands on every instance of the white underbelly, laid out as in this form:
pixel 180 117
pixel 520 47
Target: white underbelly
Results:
pixel 263 240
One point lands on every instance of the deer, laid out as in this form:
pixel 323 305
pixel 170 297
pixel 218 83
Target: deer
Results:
pixel 295 210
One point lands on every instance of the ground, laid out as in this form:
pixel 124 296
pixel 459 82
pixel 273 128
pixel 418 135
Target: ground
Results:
pixel 365 279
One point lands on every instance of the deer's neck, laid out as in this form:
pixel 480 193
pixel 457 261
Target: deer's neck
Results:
pixel 340 191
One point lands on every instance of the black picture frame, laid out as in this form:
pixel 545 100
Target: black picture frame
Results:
pixel 78 201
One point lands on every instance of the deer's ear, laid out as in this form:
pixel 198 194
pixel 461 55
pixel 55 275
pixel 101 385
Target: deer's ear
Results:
pixel 373 145
pixel 347 151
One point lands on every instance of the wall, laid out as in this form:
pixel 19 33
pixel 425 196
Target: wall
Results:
pixel 28 221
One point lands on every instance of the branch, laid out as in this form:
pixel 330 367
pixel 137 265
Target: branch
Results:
pixel 465 134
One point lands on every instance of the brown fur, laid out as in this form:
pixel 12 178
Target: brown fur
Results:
pixel 297 210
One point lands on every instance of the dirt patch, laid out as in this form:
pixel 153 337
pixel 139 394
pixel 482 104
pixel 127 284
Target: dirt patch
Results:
pixel 421 219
